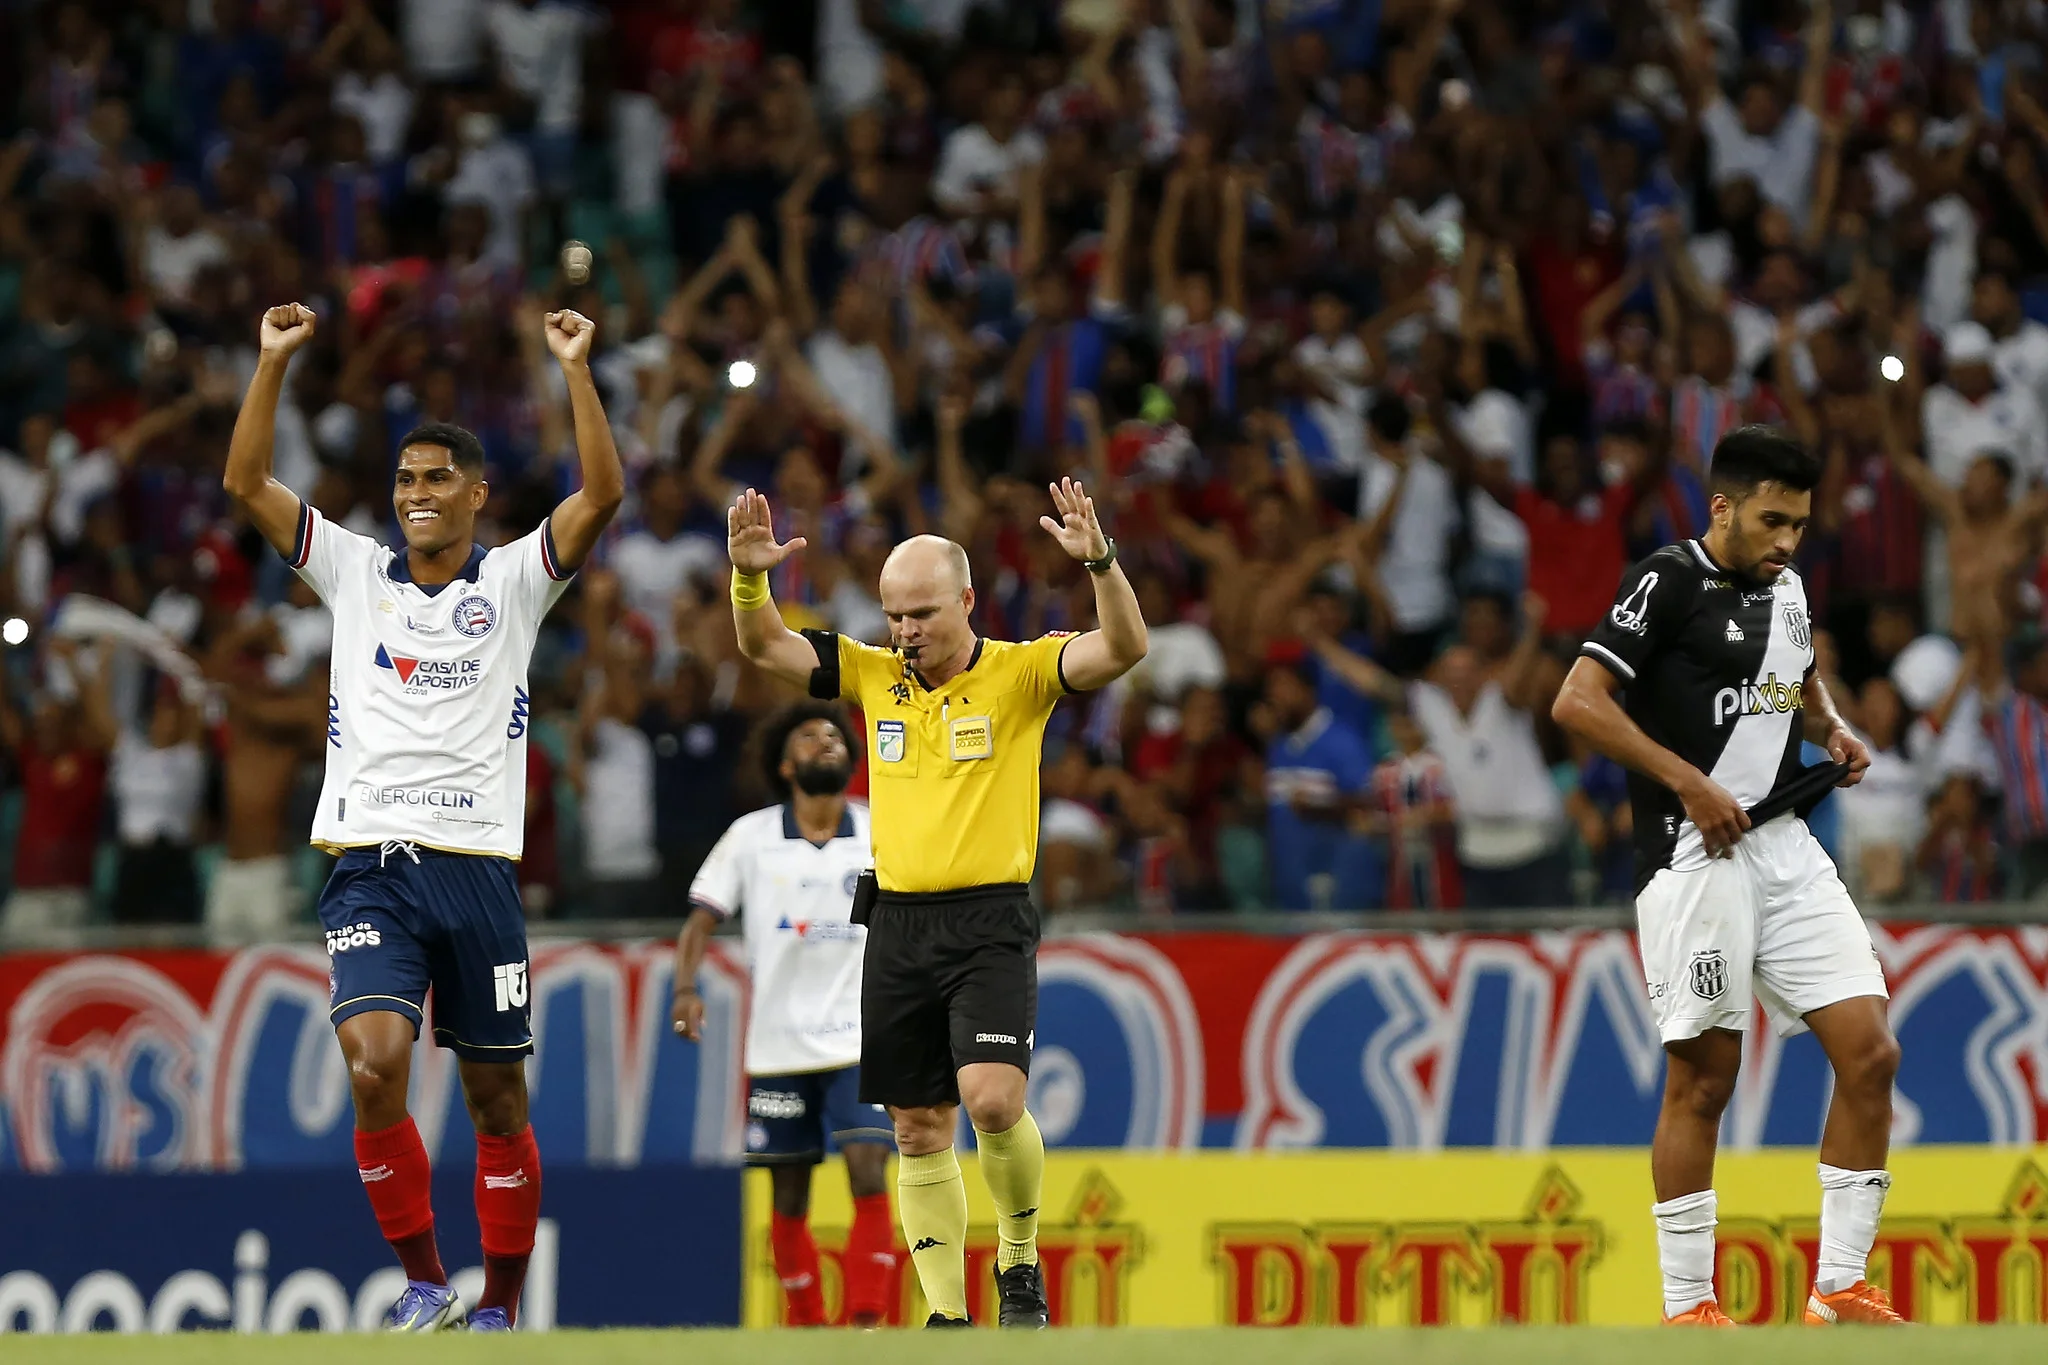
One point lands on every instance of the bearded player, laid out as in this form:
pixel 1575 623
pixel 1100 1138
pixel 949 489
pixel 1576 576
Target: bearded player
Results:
pixel 1737 904
pixel 788 874
pixel 424 800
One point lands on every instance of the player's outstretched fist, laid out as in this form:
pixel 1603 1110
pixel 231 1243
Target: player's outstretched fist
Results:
pixel 569 335
pixel 286 328
pixel 750 535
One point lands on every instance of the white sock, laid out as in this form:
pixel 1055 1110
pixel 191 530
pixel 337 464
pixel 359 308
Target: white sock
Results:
pixel 1850 1204
pixel 1685 1250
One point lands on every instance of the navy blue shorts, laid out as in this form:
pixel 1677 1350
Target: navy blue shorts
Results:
pixel 796 1120
pixel 451 923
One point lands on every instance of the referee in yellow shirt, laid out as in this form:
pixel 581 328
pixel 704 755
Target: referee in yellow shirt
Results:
pixel 950 993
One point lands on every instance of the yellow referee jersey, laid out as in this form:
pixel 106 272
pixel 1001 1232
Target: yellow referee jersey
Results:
pixel 953 770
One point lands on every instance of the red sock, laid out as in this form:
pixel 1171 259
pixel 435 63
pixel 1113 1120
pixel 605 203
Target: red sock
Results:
pixel 869 1259
pixel 796 1265
pixel 399 1180
pixel 507 1212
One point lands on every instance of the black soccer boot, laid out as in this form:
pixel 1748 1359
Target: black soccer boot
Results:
pixel 1021 1289
pixel 941 1320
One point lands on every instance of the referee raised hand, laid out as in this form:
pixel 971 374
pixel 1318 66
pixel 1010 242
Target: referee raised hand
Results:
pixel 949 996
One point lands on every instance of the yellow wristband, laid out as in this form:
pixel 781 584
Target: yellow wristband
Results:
pixel 749 590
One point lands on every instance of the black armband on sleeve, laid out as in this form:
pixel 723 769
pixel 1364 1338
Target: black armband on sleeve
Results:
pixel 825 677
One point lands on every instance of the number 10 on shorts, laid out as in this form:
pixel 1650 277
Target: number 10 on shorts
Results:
pixel 508 983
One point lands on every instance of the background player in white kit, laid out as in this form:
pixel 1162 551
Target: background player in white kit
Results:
pixel 1711 643
pixel 788 872
pixel 424 799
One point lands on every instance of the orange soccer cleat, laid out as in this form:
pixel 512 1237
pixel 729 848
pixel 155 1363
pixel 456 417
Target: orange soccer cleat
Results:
pixel 1705 1313
pixel 1860 1302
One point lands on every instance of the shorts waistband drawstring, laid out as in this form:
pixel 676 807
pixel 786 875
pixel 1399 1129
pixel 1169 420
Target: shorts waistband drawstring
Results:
pixel 392 846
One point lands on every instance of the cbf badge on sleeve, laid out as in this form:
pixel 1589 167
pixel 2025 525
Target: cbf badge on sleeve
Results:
pixel 889 741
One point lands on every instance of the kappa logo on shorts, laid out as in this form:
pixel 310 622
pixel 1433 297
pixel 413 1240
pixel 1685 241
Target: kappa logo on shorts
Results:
pixel 1007 1039
pixel 508 984
pixel 1709 974
pixel 926 1244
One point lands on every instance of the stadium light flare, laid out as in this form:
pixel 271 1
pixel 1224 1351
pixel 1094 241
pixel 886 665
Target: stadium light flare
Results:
pixel 14 631
pixel 740 374
pixel 1892 368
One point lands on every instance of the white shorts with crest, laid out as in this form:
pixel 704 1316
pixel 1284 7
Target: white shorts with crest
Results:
pixel 1770 923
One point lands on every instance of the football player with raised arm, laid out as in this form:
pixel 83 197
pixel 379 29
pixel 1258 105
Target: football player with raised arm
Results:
pixel 424 799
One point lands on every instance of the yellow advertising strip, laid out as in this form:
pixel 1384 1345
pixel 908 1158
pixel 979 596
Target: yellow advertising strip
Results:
pixel 1459 1239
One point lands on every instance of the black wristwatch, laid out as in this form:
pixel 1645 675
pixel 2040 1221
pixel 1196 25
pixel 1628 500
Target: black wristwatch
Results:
pixel 1108 558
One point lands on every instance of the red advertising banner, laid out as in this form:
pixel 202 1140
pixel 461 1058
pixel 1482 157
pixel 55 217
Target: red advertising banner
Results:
pixel 222 1060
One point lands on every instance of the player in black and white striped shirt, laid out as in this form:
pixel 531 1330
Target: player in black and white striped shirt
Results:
pixel 1701 682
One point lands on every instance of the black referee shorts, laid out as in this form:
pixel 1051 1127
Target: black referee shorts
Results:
pixel 950 977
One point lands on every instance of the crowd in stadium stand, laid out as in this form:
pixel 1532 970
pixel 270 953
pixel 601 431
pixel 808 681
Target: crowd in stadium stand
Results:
pixel 1385 333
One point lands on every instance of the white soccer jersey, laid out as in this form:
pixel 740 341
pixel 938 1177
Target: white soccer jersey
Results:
pixel 426 692
pixel 795 902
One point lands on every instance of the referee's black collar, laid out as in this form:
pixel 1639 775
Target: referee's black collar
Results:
pixel 972 660
pixel 401 569
pixel 790 831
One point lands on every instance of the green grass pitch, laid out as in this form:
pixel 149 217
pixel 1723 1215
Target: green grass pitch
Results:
pixel 1126 1346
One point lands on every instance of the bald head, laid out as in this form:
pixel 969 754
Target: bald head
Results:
pixel 928 598
pixel 929 561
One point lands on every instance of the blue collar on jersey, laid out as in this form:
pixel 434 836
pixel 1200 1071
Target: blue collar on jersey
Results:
pixel 790 831
pixel 972 660
pixel 401 569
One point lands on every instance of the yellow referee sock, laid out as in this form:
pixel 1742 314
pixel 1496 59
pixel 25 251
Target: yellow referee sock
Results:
pixel 1013 1163
pixel 932 1200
